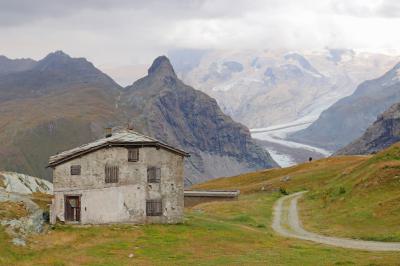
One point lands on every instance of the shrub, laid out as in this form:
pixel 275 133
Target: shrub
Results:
pixel 283 191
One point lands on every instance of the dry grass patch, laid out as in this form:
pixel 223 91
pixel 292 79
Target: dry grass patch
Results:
pixel 42 200
pixel 12 210
pixel 2 181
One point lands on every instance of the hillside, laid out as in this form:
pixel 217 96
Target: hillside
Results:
pixel 354 197
pixel 381 134
pixel 349 196
pixel 60 103
pixel 348 118
pixel 63 102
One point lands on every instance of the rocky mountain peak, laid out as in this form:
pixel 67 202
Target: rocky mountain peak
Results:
pixel 57 55
pixel 59 60
pixel 162 67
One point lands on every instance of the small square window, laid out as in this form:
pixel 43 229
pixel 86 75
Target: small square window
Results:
pixel 75 170
pixel 153 175
pixel 154 207
pixel 133 155
pixel 111 173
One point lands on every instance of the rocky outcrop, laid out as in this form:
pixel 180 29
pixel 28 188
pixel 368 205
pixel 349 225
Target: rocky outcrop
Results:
pixel 13 182
pixel 384 132
pixel 348 118
pixel 16 188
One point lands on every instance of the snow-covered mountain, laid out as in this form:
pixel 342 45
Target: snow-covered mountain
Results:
pixel 267 88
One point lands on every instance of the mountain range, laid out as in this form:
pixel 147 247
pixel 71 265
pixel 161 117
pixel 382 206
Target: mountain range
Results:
pixel 275 87
pixel 61 102
pixel 347 119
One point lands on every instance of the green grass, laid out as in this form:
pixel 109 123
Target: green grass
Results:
pixel 215 233
pixel 356 197
pixel 348 196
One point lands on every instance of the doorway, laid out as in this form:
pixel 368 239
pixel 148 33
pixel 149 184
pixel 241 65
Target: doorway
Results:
pixel 72 208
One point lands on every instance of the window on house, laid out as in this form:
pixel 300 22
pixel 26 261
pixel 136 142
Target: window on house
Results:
pixel 133 155
pixel 153 207
pixel 153 174
pixel 75 170
pixel 111 174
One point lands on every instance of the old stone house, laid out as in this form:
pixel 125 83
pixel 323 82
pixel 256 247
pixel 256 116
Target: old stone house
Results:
pixel 125 177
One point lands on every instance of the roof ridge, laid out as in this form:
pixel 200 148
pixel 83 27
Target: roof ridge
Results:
pixel 120 137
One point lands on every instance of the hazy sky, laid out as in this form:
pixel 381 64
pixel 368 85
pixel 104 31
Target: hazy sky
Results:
pixel 125 32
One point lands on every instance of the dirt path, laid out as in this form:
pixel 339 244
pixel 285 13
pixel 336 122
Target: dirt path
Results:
pixel 286 222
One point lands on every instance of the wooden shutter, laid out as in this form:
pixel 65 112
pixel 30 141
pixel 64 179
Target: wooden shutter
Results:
pixel 133 155
pixel 111 173
pixel 154 207
pixel 153 175
pixel 158 175
pixel 75 170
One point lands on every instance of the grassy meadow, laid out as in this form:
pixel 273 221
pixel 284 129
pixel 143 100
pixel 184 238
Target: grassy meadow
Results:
pixel 348 196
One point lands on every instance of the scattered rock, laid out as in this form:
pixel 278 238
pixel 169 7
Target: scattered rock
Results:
pixel 285 178
pixel 19 242
pixel 130 255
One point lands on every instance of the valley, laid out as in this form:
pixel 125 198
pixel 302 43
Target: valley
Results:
pixel 200 133
pixel 286 152
pixel 283 96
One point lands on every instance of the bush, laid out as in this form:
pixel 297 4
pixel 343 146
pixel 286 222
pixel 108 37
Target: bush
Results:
pixel 46 216
pixel 283 191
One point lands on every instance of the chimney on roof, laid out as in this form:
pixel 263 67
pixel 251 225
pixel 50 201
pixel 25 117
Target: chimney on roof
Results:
pixel 129 126
pixel 108 132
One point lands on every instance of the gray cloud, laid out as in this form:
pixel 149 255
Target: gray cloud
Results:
pixel 125 32
pixel 19 12
pixel 367 8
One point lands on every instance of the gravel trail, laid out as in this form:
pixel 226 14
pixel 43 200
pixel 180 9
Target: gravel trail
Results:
pixel 286 222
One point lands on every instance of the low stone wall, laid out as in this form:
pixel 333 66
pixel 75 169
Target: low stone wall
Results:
pixel 195 197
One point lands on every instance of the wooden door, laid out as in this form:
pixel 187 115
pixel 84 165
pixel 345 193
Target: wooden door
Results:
pixel 73 208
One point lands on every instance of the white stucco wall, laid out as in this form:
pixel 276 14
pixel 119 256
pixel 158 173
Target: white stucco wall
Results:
pixel 125 201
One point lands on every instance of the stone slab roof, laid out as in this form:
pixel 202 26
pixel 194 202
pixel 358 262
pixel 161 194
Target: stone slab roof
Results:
pixel 121 138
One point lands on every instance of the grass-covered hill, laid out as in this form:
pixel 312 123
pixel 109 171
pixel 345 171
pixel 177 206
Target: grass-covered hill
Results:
pixel 348 196
pixel 352 196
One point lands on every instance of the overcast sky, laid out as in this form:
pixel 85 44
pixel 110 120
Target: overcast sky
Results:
pixel 127 32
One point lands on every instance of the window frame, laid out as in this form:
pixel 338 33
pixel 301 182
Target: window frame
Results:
pixel 154 207
pixel 111 174
pixel 153 175
pixel 132 151
pixel 75 169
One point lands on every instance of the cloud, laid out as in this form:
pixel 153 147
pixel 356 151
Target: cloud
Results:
pixel 126 32
pixel 19 12
pixel 367 8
